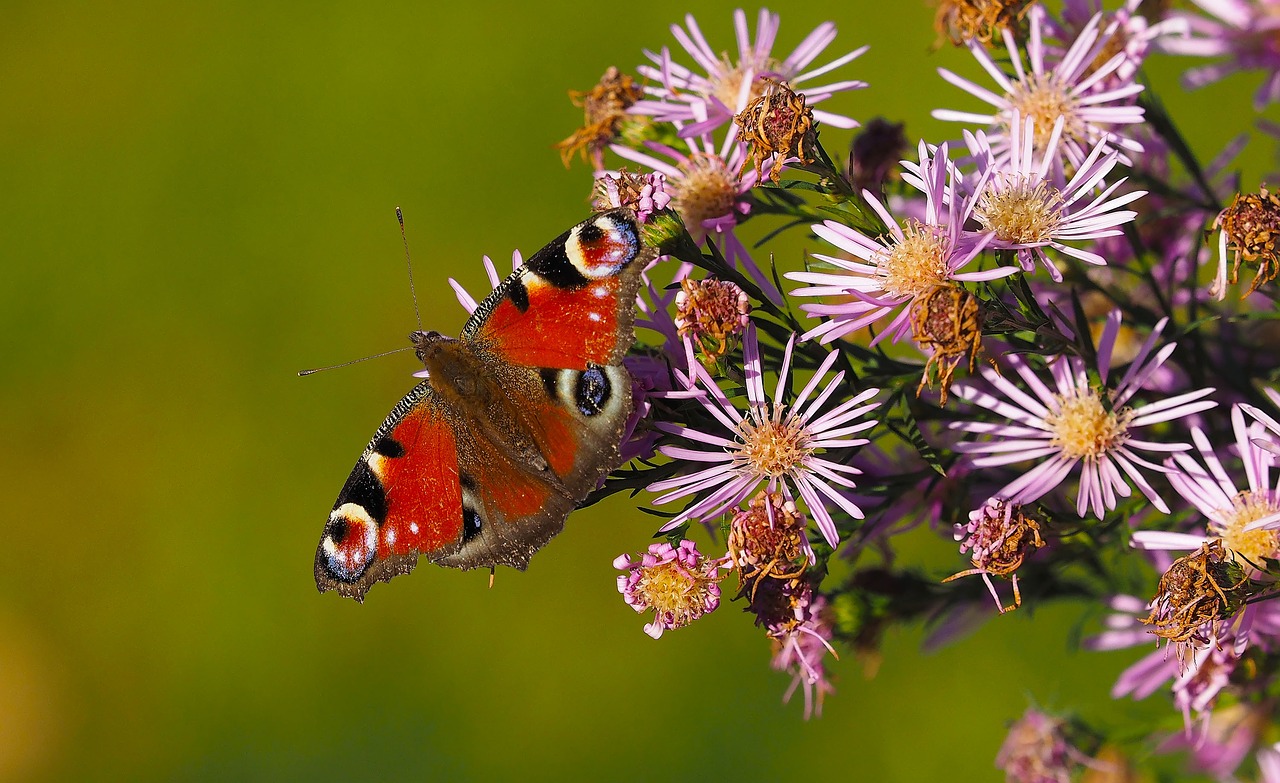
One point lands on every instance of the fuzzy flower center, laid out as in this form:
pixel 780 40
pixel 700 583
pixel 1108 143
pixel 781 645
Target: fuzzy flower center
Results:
pixel 917 264
pixel 1022 210
pixel 707 190
pixel 674 592
pixel 1252 545
pixel 773 448
pixel 1044 99
pixel 728 84
pixel 1083 428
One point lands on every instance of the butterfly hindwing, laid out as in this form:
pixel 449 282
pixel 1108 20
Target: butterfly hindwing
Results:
pixel 575 419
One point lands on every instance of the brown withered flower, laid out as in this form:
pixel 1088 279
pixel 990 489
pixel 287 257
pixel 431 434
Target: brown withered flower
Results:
pixel 777 122
pixel 604 108
pixel 766 542
pixel 946 322
pixel 999 535
pixel 877 148
pixel 1195 592
pixel 1250 227
pixel 713 313
pixel 962 21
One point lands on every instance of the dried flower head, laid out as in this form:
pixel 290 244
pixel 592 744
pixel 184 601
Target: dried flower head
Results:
pixel 777 123
pixel 713 313
pixel 947 323
pixel 962 21
pixel 678 584
pixel 767 542
pixel 1250 227
pixel 604 108
pixel 643 193
pixel 1195 592
pixel 1000 536
pixel 875 154
pixel 1036 750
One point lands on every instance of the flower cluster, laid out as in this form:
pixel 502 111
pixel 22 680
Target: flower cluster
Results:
pixel 1001 340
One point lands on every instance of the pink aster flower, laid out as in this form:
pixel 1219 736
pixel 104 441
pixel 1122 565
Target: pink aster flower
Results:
pixel 1021 207
pixel 1245 520
pixel 678 584
pixel 708 190
pixel 1125 30
pixel 1197 674
pixel 724 87
pixel 770 442
pixel 1075 425
pixel 888 275
pixel 643 193
pixel 1053 89
pixel 1245 33
pixel 1036 751
pixel 801 647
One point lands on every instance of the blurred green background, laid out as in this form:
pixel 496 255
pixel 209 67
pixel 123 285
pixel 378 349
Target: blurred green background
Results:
pixel 197 202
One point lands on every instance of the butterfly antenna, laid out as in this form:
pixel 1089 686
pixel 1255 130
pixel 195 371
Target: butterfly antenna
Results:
pixel 491 570
pixel 354 361
pixel 409 262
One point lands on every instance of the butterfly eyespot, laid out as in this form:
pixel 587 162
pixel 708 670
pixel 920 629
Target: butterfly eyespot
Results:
pixel 471 524
pixel 350 542
pixel 593 391
pixel 601 248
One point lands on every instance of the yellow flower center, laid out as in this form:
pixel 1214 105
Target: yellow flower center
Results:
pixel 671 591
pixel 917 264
pixel 707 190
pixel 1019 209
pixel 727 87
pixel 1084 429
pixel 1252 545
pixel 772 448
pixel 1044 99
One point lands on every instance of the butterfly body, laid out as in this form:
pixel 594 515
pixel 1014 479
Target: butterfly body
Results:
pixel 517 421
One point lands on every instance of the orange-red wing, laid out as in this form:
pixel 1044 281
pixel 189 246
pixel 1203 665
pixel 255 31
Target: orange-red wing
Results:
pixel 572 302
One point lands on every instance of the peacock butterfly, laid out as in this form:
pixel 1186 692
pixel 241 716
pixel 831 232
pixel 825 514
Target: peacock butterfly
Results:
pixel 517 421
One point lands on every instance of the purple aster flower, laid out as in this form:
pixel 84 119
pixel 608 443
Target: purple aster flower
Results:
pixel 770 442
pixel 801 646
pixel 1230 734
pixel 1075 424
pixel 1245 520
pixel 1036 751
pixel 1245 33
pixel 1021 206
pixel 889 275
pixel 709 101
pixel 1053 90
pixel 678 584
pixel 708 190
pixel 1125 30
